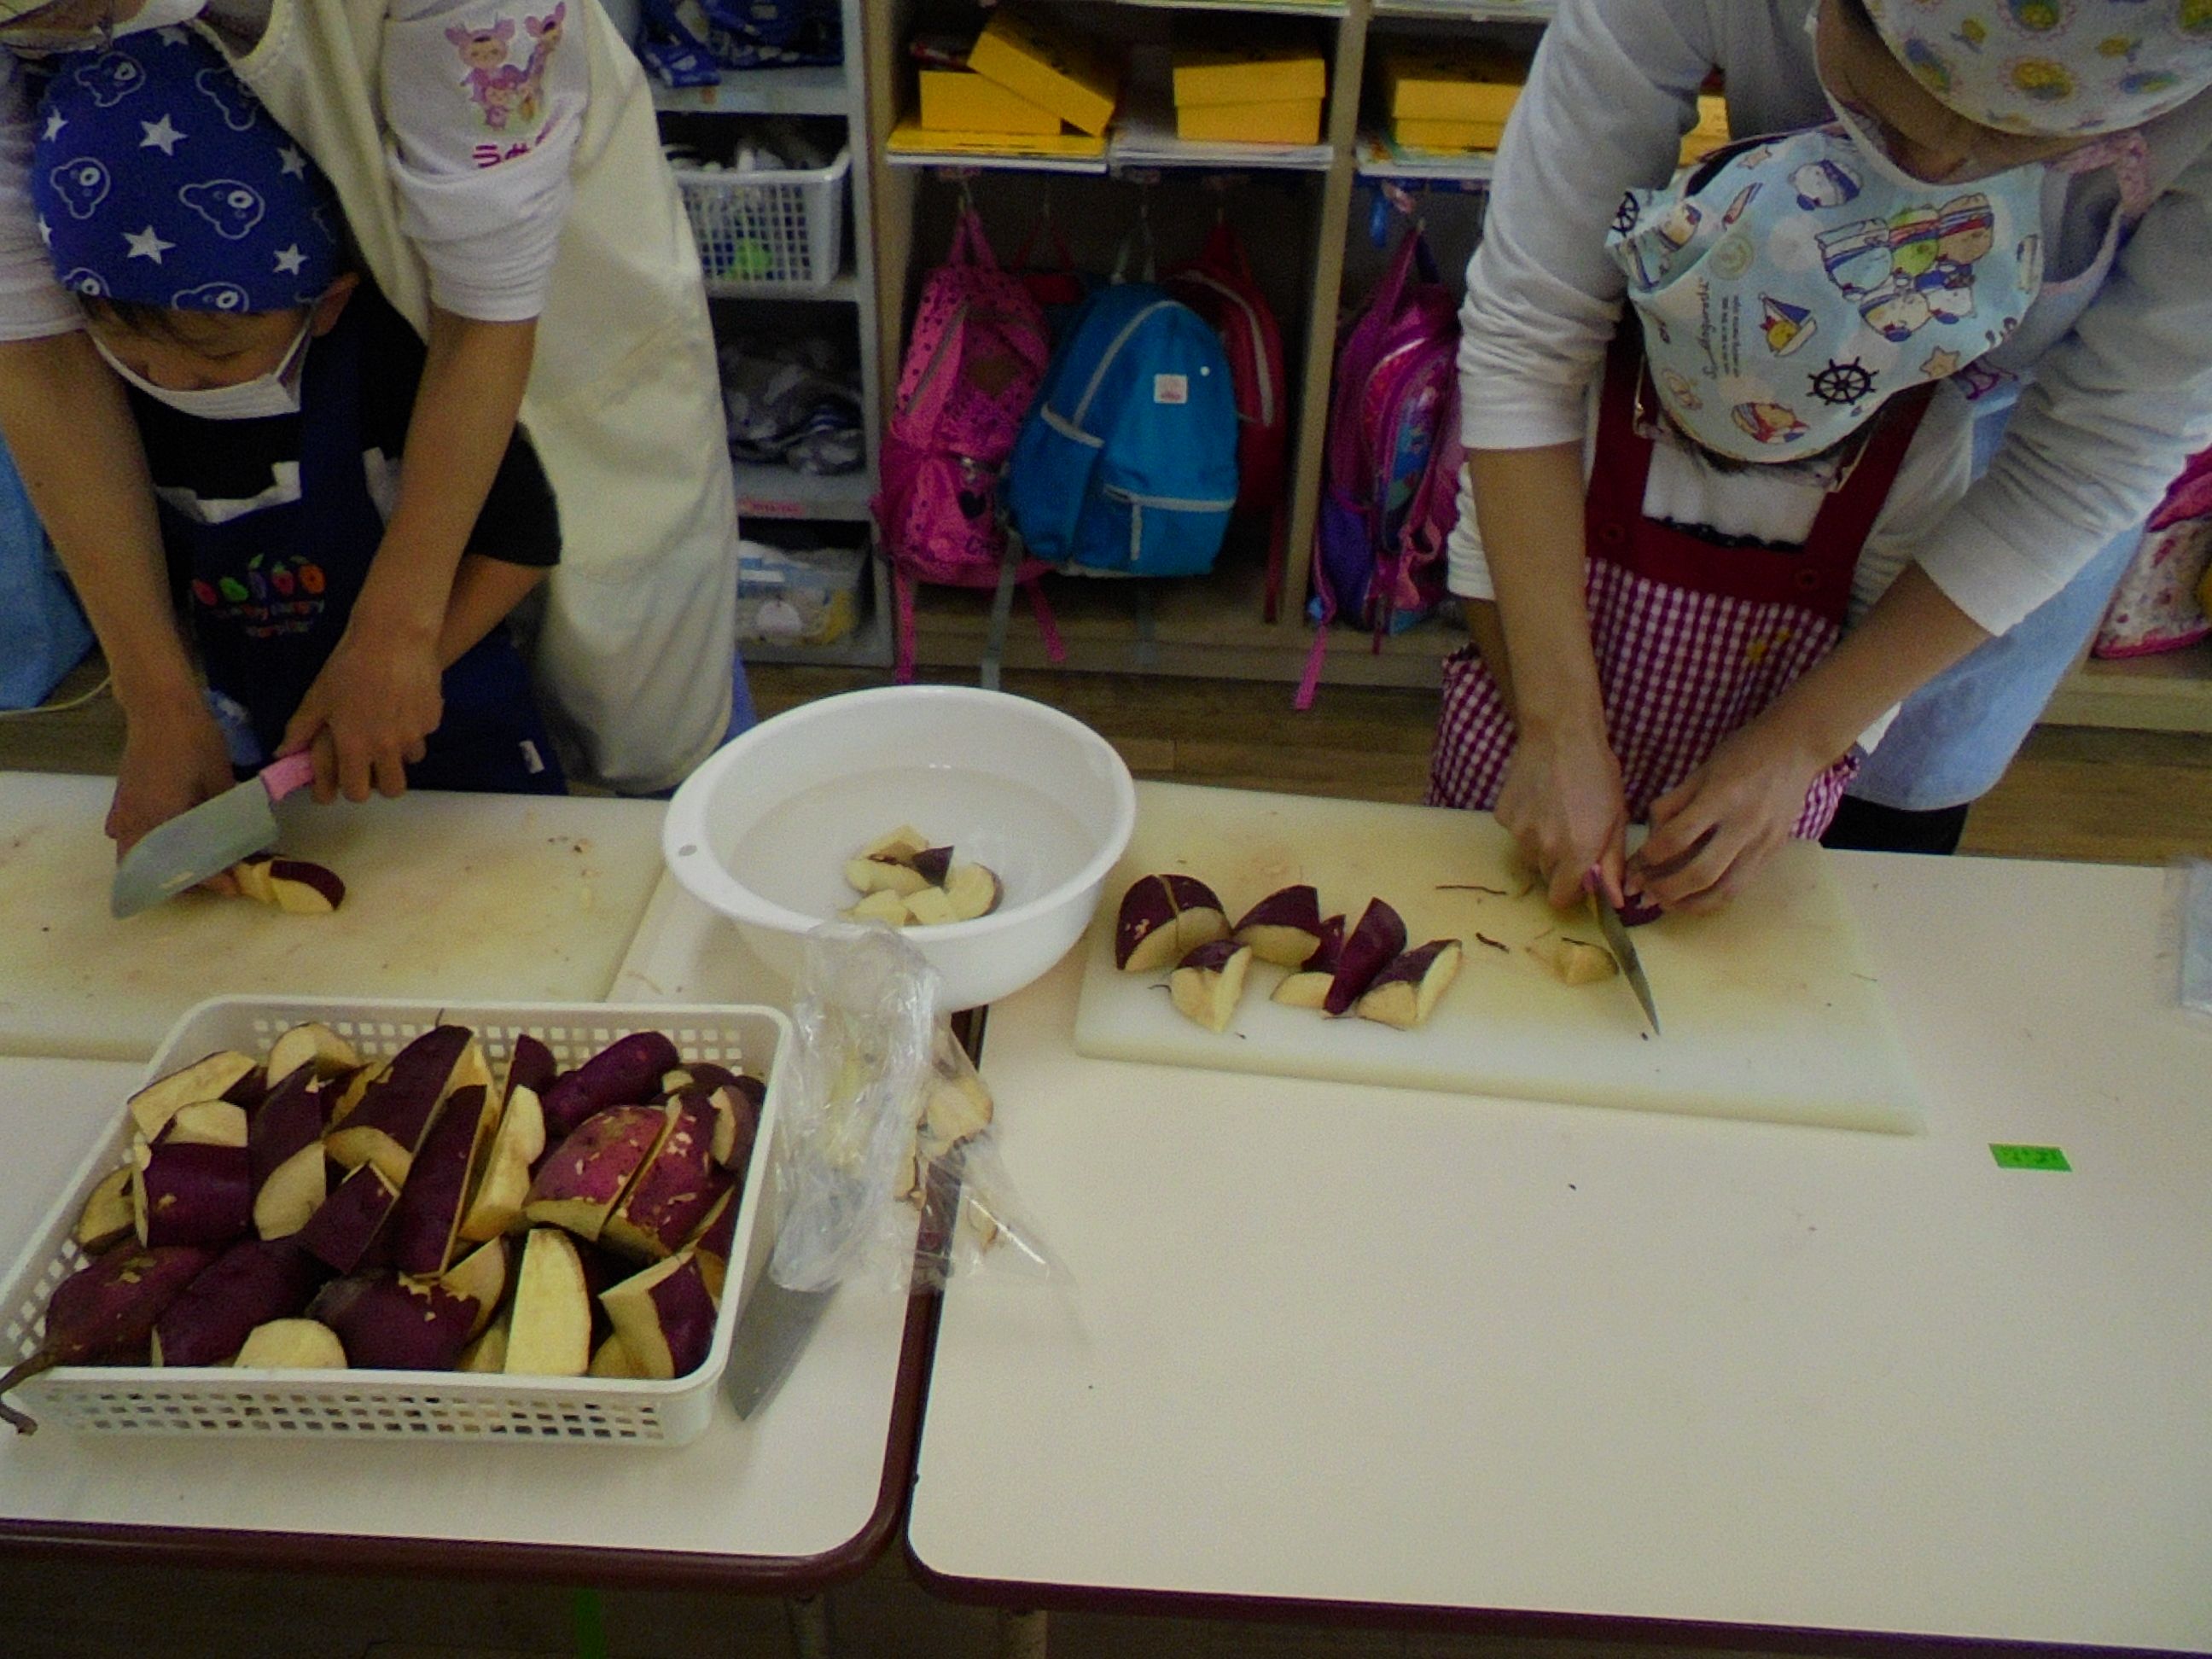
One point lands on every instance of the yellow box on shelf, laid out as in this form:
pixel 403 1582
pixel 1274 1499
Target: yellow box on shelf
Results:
pixel 961 100
pixel 910 137
pixel 1448 135
pixel 1052 67
pixel 1277 121
pixel 1282 73
pixel 1452 83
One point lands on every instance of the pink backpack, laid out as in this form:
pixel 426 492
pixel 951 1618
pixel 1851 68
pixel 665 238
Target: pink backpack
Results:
pixel 1389 490
pixel 973 362
pixel 1219 286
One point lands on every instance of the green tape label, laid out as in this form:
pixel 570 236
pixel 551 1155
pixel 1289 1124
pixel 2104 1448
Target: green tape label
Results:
pixel 2029 1157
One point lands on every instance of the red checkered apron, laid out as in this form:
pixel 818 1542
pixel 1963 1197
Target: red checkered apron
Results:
pixel 1692 638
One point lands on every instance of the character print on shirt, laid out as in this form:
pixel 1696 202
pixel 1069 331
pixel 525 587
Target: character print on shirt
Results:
pixel 268 599
pixel 1768 423
pixel 1824 183
pixel 229 94
pixel 231 205
pixel 84 280
pixel 1786 326
pixel 509 97
pixel 82 185
pixel 109 78
pixel 224 297
pixel 1676 231
pixel 1914 268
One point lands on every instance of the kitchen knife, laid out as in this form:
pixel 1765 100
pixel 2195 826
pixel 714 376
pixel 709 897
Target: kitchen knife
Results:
pixel 1624 955
pixel 206 840
pixel 775 1326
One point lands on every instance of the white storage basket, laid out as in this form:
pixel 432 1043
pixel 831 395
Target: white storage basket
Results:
pixel 363 1404
pixel 775 231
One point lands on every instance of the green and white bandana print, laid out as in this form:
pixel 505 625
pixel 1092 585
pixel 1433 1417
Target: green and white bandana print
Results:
pixel 2057 67
pixel 1786 291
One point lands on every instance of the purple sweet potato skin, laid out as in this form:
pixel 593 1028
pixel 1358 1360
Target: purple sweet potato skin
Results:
pixel 401 1101
pixel 599 1156
pixel 1288 907
pixel 290 1118
pixel 1380 936
pixel 1329 951
pixel 250 1283
pixel 1411 966
pixel 341 1231
pixel 422 1223
pixel 625 1073
pixel 1149 904
pixel 704 1074
pixel 687 1313
pixel 199 1194
pixel 673 1193
pixel 744 1101
pixel 1639 913
pixel 387 1323
pixel 113 1302
pixel 721 1229
pixel 1214 958
pixel 531 1066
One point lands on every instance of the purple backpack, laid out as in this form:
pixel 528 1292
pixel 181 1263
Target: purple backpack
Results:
pixel 973 361
pixel 1389 485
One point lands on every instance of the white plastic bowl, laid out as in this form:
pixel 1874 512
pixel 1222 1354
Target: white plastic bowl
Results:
pixel 761 832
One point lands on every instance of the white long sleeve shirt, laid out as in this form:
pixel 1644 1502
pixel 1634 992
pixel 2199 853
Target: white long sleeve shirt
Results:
pixel 484 108
pixel 2111 405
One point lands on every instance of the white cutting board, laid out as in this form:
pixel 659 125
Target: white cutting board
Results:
pixel 448 896
pixel 1770 1010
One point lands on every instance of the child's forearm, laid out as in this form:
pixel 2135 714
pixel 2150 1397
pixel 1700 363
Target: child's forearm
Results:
pixel 1912 634
pixel 464 418
pixel 1528 503
pixel 485 591
pixel 69 429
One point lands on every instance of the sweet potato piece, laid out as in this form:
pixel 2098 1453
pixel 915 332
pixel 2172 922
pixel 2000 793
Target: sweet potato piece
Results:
pixel 973 891
pixel 588 1175
pixel 626 1073
pixel 611 1360
pixel 429 1212
pixel 1207 984
pixel 664 1317
pixel 1405 994
pixel 249 1285
pixel 395 1111
pixel 105 1308
pixel 107 1217
pixel 881 875
pixel 295 1190
pixel 503 1183
pixel 673 1191
pixel 488 1352
pixel 190 1193
pixel 203 1079
pixel 303 889
pixel 481 1275
pixel 716 1234
pixel 291 1118
pixel 1162 919
pixel 292 1345
pixel 1380 936
pixel 344 1231
pixel 390 1323
pixel 313 1045
pixel 549 1332
pixel 1283 928
pixel 206 1123
pixel 530 1065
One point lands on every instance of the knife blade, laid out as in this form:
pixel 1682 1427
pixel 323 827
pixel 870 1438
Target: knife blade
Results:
pixel 1624 955
pixel 775 1326
pixel 206 840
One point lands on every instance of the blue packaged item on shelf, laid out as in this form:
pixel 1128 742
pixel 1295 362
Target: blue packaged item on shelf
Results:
pixel 773 34
pixel 674 47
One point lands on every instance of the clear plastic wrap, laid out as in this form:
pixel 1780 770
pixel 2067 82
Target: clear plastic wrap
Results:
pixel 2192 885
pixel 887 1111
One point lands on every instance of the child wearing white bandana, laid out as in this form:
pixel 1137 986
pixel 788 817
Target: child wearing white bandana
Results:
pixel 2036 182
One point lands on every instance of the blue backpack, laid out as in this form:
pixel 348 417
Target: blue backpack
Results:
pixel 1127 461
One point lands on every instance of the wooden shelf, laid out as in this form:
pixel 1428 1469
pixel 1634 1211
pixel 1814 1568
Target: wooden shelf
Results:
pixel 808 91
pixel 1470 11
pixel 2172 692
pixel 1206 628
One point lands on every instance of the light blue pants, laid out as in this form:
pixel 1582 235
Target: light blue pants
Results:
pixel 1955 736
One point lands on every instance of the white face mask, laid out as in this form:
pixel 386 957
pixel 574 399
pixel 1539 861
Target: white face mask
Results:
pixel 276 392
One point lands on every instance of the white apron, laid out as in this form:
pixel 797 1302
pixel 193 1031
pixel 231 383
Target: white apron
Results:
pixel 637 649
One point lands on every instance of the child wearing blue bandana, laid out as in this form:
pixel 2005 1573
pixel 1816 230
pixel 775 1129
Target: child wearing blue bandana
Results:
pixel 272 388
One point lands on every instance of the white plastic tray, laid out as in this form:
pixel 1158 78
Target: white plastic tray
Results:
pixel 358 1404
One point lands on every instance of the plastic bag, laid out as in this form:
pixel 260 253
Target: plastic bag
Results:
pixel 887 1112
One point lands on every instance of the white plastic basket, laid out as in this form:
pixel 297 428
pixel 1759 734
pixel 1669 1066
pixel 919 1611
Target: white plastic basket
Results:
pixel 783 230
pixel 361 1404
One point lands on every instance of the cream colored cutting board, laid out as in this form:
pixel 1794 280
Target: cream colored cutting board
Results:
pixel 1770 1010
pixel 461 896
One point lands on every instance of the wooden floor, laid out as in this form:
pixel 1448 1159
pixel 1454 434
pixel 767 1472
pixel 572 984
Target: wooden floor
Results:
pixel 2074 794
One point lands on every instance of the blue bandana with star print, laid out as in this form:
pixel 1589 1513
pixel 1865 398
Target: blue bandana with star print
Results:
pixel 159 180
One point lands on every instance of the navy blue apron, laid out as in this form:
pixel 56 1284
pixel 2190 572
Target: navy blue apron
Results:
pixel 271 588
